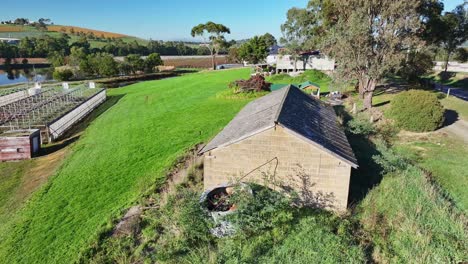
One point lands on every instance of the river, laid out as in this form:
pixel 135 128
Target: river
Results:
pixel 24 76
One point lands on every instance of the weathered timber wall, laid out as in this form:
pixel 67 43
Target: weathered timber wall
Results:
pixel 63 123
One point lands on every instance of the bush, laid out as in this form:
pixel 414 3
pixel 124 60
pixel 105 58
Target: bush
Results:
pixel 265 210
pixel 62 75
pixel 360 125
pixel 256 83
pixel 417 110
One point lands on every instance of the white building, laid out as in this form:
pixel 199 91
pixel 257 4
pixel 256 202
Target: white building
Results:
pixel 308 60
pixel 273 54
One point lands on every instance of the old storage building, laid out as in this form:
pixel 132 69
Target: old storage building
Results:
pixel 289 137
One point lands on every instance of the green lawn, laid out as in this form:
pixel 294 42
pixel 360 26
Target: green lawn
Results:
pixel 447 159
pixel 122 153
pixel 407 221
pixel 310 75
pixel 458 105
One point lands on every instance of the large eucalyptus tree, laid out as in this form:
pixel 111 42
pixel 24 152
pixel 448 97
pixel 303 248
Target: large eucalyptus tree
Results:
pixel 212 35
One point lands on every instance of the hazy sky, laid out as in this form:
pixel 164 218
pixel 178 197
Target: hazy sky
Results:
pixel 163 19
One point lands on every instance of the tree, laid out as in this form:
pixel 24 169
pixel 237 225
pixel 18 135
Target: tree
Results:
pixel 105 65
pixel 298 32
pixel 56 58
pixel 213 35
pixel 26 47
pixel 270 40
pixel 152 61
pixel 455 30
pixel 371 39
pixel 233 55
pixel 135 63
pixel 461 55
pixel 254 51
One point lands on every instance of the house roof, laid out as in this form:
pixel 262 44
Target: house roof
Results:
pixel 274 50
pixel 277 86
pixel 307 84
pixel 289 107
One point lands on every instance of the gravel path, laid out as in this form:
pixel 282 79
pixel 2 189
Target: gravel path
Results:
pixel 459 128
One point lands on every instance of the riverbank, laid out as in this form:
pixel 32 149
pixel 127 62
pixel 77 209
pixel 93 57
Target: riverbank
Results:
pixel 118 81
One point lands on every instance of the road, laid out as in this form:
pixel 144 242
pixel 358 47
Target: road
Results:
pixel 457 92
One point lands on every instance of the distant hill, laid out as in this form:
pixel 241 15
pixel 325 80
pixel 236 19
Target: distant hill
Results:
pixel 71 29
pixel 17 31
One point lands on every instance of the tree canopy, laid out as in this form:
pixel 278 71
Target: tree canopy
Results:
pixel 212 35
pixel 255 50
pixel 368 39
pixel 454 30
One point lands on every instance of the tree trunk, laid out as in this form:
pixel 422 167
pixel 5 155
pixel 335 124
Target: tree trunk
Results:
pixel 446 61
pixel 368 99
pixel 295 64
pixel 213 60
pixel 362 83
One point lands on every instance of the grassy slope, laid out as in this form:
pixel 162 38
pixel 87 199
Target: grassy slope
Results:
pixel 121 154
pixel 15 31
pixel 457 105
pixel 409 222
pixel 446 158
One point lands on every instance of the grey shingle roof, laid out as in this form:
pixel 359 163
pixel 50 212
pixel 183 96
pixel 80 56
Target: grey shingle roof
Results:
pixel 291 108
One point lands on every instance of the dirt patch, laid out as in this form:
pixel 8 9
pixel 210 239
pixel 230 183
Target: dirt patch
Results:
pixel 43 167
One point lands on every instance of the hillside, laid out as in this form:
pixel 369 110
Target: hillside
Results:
pixel 16 31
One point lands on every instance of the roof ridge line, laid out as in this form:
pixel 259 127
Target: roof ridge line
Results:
pixel 276 119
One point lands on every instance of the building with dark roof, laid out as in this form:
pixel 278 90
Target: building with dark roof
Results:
pixel 290 137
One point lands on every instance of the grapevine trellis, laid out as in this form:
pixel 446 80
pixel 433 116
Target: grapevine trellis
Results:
pixel 45 106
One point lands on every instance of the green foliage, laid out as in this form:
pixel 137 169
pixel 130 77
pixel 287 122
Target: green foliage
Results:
pixel 233 55
pixel 388 159
pixel 408 221
pixel 62 75
pixel 269 39
pixel 233 94
pixel 454 29
pixel 56 59
pixel 213 34
pixel 446 158
pixel 181 225
pixel 152 61
pixel 255 50
pixel 417 110
pixel 264 210
pixel 360 125
pixel 311 241
pixel 418 64
pixel 135 63
pixel 315 76
pixel 461 55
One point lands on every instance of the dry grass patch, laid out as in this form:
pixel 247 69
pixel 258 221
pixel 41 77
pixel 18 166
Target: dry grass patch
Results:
pixel 97 33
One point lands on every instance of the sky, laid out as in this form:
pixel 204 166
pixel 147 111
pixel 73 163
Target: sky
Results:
pixel 163 19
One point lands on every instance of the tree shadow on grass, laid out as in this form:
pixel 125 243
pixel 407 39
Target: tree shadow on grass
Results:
pixel 74 133
pixel 369 173
pixel 451 117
